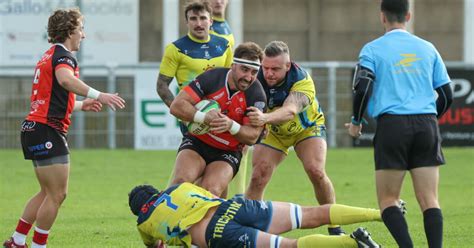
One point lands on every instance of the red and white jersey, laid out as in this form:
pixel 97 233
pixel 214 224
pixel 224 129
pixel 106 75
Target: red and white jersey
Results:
pixel 213 85
pixel 51 104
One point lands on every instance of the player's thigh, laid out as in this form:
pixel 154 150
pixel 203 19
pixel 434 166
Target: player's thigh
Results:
pixel 266 158
pixel 388 185
pixel 53 178
pixel 218 173
pixel 312 152
pixel 189 166
pixel 285 217
pixel 425 182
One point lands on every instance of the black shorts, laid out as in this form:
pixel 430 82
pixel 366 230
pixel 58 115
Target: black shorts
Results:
pixel 40 141
pixel 211 154
pixel 405 142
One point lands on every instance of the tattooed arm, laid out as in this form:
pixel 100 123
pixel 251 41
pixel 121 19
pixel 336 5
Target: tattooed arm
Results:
pixel 163 90
pixel 294 104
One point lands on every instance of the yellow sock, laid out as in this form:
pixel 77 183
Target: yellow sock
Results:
pixel 342 214
pixel 319 240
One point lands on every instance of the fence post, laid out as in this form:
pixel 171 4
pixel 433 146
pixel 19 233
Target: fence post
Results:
pixel 111 88
pixel 332 102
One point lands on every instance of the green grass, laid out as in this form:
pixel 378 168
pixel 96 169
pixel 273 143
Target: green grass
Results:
pixel 96 214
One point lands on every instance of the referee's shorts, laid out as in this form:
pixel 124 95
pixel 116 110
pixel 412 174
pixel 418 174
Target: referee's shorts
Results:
pixel 405 142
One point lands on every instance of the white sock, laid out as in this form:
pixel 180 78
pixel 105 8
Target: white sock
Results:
pixel 35 245
pixel 19 238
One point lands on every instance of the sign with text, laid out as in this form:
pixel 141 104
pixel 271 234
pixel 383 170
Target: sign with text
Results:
pixel 155 127
pixel 111 28
pixel 457 124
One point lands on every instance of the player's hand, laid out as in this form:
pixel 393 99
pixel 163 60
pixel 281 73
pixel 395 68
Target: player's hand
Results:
pixel 211 115
pixel 354 130
pixel 91 105
pixel 220 124
pixel 112 100
pixel 256 117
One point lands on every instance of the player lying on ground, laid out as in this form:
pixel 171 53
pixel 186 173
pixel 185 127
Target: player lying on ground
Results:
pixel 186 214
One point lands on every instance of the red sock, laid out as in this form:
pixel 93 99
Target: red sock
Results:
pixel 23 227
pixel 40 237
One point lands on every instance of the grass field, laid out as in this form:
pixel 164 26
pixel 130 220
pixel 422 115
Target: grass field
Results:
pixel 96 214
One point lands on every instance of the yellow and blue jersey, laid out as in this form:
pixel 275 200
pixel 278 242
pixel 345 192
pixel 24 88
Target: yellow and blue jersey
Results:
pixel 220 27
pixel 188 57
pixel 168 215
pixel 297 80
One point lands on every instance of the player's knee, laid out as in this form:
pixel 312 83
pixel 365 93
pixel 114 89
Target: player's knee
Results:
pixel 427 201
pixel 316 173
pixel 58 197
pixel 214 189
pixel 261 170
pixel 180 179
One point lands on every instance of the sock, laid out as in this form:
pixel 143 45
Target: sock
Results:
pixel 433 220
pixel 342 214
pixel 40 238
pixel 397 225
pixel 238 184
pixel 21 231
pixel 319 240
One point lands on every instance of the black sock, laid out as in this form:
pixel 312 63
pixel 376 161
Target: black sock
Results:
pixel 397 225
pixel 433 219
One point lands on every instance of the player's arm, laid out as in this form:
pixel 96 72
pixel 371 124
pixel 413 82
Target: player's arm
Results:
pixel 68 81
pixel 445 99
pixel 183 108
pixel 362 89
pixel 248 134
pixel 163 90
pixel 244 133
pixel 295 103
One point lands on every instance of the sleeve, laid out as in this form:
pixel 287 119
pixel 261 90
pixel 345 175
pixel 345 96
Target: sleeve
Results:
pixel 200 86
pixel 229 56
pixel 305 86
pixel 440 73
pixel 366 58
pixel 169 63
pixel 65 62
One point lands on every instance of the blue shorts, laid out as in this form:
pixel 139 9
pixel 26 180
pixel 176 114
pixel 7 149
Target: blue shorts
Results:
pixel 237 221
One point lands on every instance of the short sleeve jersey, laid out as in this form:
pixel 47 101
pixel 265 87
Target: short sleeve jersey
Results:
pixel 50 103
pixel 407 70
pixel 168 215
pixel 188 57
pixel 296 80
pixel 214 85
pixel 220 27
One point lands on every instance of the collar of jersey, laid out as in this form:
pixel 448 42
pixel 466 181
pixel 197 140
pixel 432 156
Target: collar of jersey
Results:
pixel 199 41
pixel 397 30
pixel 218 19
pixel 61 44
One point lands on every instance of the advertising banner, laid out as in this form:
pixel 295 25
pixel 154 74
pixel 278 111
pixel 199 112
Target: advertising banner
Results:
pixel 155 127
pixel 111 28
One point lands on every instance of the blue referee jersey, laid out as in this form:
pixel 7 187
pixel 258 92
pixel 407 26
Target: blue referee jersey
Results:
pixel 407 71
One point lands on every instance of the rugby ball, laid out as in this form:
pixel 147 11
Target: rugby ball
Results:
pixel 203 106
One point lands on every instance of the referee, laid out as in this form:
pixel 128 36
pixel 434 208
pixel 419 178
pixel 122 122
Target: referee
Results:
pixel 396 80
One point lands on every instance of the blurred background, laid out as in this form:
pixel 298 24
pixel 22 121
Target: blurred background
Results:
pixel 125 42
